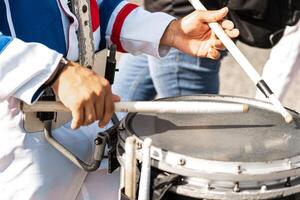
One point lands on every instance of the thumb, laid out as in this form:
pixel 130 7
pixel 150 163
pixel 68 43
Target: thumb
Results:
pixel 115 98
pixel 214 15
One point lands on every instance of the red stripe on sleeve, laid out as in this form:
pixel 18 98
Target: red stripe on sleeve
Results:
pixel 95 15
pixel 117 27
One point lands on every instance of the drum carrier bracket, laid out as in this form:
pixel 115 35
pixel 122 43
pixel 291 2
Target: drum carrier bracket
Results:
pixel 81 9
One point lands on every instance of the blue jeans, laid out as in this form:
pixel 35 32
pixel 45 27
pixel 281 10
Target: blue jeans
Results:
pixel 142 77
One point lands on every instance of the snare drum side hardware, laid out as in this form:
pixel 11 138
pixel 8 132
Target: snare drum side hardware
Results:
pixel 100 143
pixel 112 134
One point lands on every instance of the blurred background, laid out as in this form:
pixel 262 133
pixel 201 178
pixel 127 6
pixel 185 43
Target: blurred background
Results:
pixel 234 81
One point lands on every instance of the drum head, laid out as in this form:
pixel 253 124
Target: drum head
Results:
pixel 257 136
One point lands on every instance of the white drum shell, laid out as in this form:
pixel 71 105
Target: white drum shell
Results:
pixel 212 179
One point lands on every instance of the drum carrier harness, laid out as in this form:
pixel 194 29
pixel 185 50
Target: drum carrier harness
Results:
pixel 81 9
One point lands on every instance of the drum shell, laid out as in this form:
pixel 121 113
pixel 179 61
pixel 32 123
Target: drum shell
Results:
pixel 202 174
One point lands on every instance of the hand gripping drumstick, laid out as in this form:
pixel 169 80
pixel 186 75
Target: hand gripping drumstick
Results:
pixel 184 107
pixel 245 64
pixel 130 167
pixel 144 188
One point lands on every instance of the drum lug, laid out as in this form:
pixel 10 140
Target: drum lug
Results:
pixel 139 145
pixel 288 182
pixel 181 162
pixel 263 188
pixel 239 169
pixel 236 187
pixel 209 187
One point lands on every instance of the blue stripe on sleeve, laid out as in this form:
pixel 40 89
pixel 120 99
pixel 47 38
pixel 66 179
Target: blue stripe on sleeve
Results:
pixel 39 21
pixel 4 41
pixel 106 9
pixel 4 28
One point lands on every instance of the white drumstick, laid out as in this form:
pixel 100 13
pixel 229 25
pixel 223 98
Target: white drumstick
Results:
pixel 245 64
pixel 130 167
pixel 184 107
pixel 144 189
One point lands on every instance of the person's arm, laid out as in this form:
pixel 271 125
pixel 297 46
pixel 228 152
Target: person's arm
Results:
pixel 193 36
pixel 131 28
pixel 24 67
pixel 135 30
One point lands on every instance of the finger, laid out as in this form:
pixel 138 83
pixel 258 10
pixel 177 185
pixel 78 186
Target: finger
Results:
pixel 213 54
pixel 89 113
pixel 213 16
pixel 227 24
pixel 232 33
pixel 217 44
pixel 108 110
pixel 116 98
pixel 99 106
pixel 77 118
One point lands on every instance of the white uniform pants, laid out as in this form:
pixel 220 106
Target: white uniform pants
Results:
pixel 30 168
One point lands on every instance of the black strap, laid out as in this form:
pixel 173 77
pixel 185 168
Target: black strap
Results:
pixel 48 95
pixel 123 195
pixel 61 65
pixel 163 184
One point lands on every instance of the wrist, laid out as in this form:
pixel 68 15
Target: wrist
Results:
pixel 55 75
pixel 168 37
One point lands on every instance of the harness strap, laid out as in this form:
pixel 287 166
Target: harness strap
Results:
pixel 161 185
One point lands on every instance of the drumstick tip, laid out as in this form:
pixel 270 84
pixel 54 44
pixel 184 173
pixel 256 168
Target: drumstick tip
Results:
pixel 285 114
pixel 288 119
pixel 245 108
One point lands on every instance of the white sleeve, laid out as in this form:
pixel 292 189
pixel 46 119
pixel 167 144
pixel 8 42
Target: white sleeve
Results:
pixel 24 67
pixel 144 33
pixel 134 29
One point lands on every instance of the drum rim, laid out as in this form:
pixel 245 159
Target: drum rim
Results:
pixel 260 193
pixel 221 170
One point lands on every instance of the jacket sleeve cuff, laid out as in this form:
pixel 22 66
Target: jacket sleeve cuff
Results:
pixel 25 68
pixel 140 30
pixel 147 33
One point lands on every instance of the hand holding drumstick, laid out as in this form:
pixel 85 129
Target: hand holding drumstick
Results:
pixel 245 64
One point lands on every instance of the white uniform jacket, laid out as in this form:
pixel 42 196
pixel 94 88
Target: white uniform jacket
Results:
pixel 34 35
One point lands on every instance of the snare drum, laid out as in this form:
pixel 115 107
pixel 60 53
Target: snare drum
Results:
pixel 253 155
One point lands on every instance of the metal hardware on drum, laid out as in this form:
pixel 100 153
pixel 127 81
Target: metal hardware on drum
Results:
pixel 245 64
pixel 130 167
pixel 144 187
pixel 245 156
pixel 181 162
pixel 180 107
pixel 288 182
pixel 236 187
pixel 110 68
pixel 100 143
pixel 263 188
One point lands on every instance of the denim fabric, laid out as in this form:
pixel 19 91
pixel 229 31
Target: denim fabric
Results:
pixel 145 77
